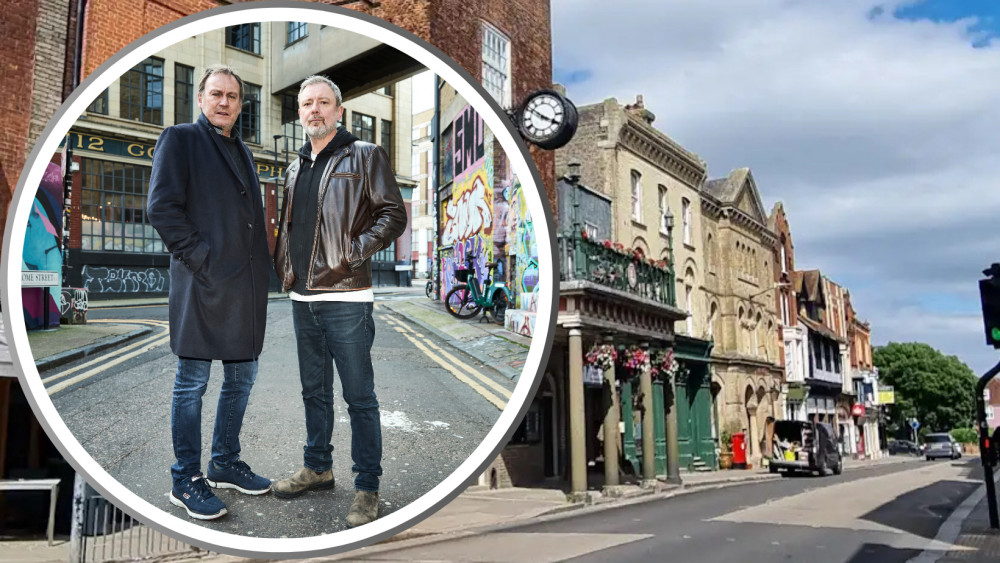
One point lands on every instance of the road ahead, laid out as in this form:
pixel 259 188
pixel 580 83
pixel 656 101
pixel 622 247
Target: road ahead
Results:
pixel 888 514
pixel 437 406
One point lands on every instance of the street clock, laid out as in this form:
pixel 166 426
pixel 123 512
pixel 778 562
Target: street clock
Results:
pixel 547 119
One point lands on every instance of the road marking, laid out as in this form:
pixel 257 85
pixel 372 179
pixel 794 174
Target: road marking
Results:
pixel 103 357
pixel 156 322
pixel 496 386
pixel 83 376
pixel 497 402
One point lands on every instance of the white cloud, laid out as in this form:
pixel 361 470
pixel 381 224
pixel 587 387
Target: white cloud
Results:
pixel 880 135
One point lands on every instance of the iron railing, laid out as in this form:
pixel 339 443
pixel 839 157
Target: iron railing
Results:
pixel 603 264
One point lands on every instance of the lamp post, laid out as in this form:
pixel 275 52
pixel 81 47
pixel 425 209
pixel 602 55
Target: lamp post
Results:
pixel 673 450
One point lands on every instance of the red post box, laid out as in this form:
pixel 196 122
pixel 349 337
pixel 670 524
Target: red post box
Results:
pixel 739 450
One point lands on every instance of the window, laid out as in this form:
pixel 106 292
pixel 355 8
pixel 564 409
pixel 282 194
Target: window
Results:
pixel 784 258
pixel 664 206
pixel 496 64
pixel 141 92
pixel 291 127
pixel 711 319
pixel 364 127
pixel 591 230
pixel 387 254
pixel 113 208
pixel 686 214
pixel 636 196
pixel 296 31
pixel 387 138
pixel 447 156
pixel 245 36
pixel 689 322
pixel 183 93
pixel 100 104
pixel 248 123
pixel 387 90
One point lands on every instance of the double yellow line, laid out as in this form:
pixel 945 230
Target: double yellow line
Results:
pixel 478 382
pixel 133 350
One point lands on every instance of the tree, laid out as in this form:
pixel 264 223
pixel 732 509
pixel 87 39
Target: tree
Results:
pixel 938 390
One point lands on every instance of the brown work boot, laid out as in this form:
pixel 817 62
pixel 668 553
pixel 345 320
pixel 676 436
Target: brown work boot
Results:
pixel 305 479
pixel 364 509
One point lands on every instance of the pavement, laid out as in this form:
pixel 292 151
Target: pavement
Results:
pixel 478 509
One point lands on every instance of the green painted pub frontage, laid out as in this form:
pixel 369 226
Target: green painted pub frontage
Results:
pixel 695 428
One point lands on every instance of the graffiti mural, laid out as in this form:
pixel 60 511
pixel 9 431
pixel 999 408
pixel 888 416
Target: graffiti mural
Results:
pixel 522 246
pixel 73 305
pixel 43 249
pixel 468 224
pixel 116 279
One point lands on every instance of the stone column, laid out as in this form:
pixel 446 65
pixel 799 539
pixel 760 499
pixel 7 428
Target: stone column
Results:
pixel 648 445
pixel 673 448
pixel 612 416
pixel 577 414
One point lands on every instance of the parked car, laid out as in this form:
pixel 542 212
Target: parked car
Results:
pixel 904 447
pixel 805 446
pixel 941 445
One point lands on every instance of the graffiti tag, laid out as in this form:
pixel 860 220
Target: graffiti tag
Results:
pixel 123 280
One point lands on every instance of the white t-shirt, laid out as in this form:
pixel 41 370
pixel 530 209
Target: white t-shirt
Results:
pixel 358 296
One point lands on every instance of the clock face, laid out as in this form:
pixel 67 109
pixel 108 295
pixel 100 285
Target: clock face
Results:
pixel 542 116
pixel 547 119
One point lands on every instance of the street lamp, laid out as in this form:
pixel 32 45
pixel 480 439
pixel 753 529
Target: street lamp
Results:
pixel 772 288
pixel 574 171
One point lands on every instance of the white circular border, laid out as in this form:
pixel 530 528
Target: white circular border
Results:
pixel 104 77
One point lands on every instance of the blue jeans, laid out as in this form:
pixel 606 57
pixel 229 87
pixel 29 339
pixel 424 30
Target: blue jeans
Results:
pixel 185 413
pixel 341 332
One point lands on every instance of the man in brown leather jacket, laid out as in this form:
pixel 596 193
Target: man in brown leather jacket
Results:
pixel 341 206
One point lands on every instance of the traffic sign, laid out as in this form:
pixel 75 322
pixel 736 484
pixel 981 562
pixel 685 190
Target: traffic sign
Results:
pixel 914 424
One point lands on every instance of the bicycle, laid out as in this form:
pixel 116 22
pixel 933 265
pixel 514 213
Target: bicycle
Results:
pixel 431 289
pixel 466 300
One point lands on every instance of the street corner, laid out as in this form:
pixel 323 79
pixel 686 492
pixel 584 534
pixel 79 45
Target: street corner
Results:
pixel 52 348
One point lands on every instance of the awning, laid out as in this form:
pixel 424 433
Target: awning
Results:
pixel 692 349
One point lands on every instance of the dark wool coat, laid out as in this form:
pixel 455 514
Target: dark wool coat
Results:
pixel 213 226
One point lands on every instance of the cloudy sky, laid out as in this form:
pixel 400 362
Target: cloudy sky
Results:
pixel 876 123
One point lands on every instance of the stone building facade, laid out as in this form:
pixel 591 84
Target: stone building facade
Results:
pixel 741 303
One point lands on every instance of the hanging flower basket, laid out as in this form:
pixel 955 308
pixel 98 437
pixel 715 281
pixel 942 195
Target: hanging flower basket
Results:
pixel 602 357
pixel 635 359
pixel 665 367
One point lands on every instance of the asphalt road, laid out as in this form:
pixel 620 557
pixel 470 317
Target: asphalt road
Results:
pixel 431 422
pixel 887 514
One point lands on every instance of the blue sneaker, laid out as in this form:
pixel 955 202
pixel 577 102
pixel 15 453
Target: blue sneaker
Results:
pixel 237 476
pixel 194 496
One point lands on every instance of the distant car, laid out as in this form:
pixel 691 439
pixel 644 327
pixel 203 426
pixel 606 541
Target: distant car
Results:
pixel 904 447
pixel 941 445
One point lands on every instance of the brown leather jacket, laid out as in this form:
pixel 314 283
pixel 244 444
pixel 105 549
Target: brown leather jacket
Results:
pixel 362 212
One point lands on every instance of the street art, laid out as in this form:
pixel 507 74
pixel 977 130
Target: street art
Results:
pixel 43 249
pixel 73 305
pixel 522 245
pixel 467 216
pixel 98 279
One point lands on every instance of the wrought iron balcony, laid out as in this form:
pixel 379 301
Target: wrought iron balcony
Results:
pixel 613 266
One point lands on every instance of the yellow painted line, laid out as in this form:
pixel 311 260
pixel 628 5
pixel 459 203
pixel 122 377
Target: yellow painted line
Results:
pixel 455 361
pixel 103 358
pixel 497 401
pixel 83 376
pixel 156 322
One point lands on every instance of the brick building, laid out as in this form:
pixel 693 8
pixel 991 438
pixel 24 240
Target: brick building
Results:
pixel 44 58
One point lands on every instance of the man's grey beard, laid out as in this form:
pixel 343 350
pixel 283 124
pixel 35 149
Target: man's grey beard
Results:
pixel 319 131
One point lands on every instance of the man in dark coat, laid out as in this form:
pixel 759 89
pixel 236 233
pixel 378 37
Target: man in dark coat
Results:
pixel 204 200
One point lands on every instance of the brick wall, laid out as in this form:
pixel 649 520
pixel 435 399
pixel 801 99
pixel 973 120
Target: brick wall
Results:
pixel 50 62
pixel 17 53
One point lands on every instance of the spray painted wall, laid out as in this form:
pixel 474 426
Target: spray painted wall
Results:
pixel 43 248
pixel 467 216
